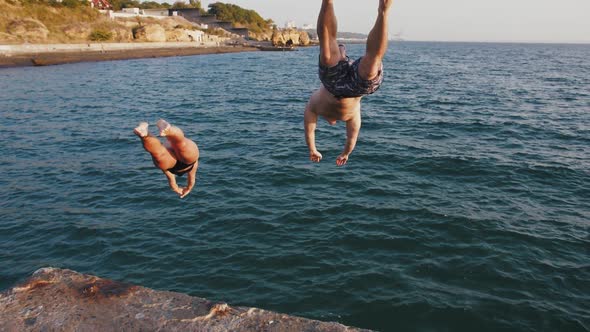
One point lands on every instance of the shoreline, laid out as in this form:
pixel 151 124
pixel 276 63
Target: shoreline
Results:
pixel 56 54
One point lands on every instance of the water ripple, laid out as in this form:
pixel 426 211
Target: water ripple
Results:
pixel 463 207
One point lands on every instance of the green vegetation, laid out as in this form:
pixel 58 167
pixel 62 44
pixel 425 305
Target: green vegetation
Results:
pixel 240 16
pixel 154 5
pixel 192 4
pixel 100 35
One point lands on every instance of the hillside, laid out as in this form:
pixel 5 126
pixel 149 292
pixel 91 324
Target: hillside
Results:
pixel 73 21
pixel 32 21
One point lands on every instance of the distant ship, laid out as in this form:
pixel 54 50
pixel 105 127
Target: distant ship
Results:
pixel 398 36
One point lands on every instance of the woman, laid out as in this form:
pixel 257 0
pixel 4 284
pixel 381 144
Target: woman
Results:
pixel 180 156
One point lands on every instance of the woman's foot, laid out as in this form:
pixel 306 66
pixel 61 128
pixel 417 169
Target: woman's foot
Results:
pixel 163 126
pixel 141 130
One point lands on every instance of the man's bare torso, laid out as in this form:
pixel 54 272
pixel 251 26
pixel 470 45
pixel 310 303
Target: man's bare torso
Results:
pixel 324 104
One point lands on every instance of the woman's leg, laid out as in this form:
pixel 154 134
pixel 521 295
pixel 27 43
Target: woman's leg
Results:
pixel 160 155
pixel 184 149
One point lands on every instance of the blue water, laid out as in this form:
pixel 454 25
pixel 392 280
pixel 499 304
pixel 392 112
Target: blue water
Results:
pixel 465 206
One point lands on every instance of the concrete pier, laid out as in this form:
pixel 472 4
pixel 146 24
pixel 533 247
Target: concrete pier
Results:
pixel 56 54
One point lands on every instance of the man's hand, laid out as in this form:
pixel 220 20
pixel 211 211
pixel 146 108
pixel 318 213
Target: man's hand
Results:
pixel 342 159
pixel 184 192
pixel 177 190
pixel 315 156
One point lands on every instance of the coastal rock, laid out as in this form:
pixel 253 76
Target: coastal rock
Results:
pixel 77 31
pixel 131 24
pixel 173 22
pixel 178 35
pixel 121 34
pixel 150 33
pixel 304 38
pixel 290 37
pixel 28 29
pixel 260 36
pixel 277 39
pixel 64 300
pixel 184 35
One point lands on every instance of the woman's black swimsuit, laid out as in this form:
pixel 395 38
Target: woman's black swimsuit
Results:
pixel 181 168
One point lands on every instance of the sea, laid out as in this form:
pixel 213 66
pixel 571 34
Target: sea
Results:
pixel 464 207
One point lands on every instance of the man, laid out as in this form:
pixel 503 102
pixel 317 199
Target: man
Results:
pixel 344 82
pixel 179 157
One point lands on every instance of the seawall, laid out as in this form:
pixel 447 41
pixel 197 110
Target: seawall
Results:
pixel 54 54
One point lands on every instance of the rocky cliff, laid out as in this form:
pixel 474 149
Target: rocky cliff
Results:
pixel 64 300
pixel 290 37
pixel 282 37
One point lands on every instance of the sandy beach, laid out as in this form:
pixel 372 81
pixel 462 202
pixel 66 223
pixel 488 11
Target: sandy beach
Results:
pixel 56 54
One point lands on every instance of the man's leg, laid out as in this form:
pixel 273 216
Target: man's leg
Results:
pixel 160 155
pixel 376 44
pixel 184 149
pixel 327 30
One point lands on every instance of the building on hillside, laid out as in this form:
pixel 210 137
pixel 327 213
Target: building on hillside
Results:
pixel 242 32
pixel 134 11
pixel 210 21
pixel 290 25
pixel 100 4
pixel 156 12
pixel 137 12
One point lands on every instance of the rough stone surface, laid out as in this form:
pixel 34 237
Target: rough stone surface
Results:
pixel 150 33
pixel 64 300
pixel 77 31
pixel 177 35
pixel 182 35
pixel 282 37
pixel 121 34
pixel 304 38
pixel 260 36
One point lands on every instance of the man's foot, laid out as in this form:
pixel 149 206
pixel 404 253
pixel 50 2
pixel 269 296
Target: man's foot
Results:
pixel 163 126
pixel 141 130
pixel 384 5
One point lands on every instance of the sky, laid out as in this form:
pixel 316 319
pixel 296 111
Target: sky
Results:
pixel 566 21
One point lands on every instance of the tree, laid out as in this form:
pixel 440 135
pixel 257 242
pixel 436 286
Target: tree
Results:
pixel 153 5
pixel 180 5
pixel 238 15
pixel 195 4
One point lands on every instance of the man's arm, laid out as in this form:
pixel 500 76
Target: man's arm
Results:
pixel 191 180
pixel 353 127
pixel 310 120
pixel 172 182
